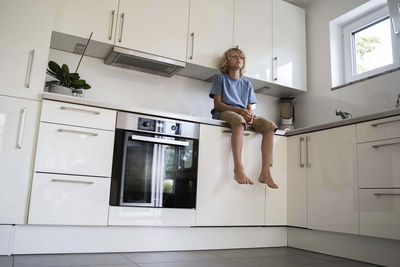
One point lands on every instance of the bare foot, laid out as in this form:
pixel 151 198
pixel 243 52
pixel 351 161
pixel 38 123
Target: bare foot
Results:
pixel 266 178
pixel 241 178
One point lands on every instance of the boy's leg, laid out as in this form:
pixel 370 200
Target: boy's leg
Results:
pixel 267 129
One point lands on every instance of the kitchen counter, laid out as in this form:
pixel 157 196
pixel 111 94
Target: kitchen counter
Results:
pixel 334 124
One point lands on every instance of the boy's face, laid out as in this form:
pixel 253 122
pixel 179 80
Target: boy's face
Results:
pixel 235 62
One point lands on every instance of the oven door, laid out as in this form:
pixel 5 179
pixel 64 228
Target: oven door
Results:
pixel 158 171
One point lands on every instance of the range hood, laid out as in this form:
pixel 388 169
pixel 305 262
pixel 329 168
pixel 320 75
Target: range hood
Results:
pixel 135 60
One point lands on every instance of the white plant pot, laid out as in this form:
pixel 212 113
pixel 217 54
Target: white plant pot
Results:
pixel 58 89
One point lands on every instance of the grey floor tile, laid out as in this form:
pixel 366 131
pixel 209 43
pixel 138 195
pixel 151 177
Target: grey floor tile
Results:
pixel 318 255
pixel 159 257
pixel 346 263
pixel 107 265
pixel 253 252
pixel 6 261
pixel 203 263
pixel 282 261
pixel 69 260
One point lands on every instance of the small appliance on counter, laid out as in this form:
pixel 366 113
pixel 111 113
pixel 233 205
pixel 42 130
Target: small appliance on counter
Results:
pixel 287 114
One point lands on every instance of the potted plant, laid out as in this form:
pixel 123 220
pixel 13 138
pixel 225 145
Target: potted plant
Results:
pixel 65 79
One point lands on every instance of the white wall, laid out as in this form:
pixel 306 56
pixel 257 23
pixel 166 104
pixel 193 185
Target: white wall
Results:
pixel 318 105
pixel 137 89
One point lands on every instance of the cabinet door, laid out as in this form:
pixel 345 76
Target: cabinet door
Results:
pixel 221 201
pixel 332 181
pixel 25 28
pixel 80 18
pixel 18 126
pixel 289 45
pixel 155 27
pixel 210 31
pixel 253 34
pixel 276 199
pixel 297 181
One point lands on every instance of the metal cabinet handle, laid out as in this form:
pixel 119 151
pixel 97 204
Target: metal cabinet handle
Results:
pixel 192 36
pixel 122 27
pixel 386 194
pixel 385 122
pixel 308 139
pixel 30 64
pixel 229 131
pixel 111 24
pixel 71 181
pixel 77 132
pixel 80 109
pixel 276 68
pixel 301 139
pixel 395 30
pixel 390 144
pixel 21 128
pixel 159 140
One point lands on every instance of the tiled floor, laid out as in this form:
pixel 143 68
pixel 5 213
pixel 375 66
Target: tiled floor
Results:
pixel 282 257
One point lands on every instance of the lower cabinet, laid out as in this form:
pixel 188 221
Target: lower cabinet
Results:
pixel 18 128
pixel 69 200
pixel 221 201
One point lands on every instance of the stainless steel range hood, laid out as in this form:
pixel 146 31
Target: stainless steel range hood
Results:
pixel 135 60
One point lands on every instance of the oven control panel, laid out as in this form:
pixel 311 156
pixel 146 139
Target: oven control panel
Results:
pixel 159 126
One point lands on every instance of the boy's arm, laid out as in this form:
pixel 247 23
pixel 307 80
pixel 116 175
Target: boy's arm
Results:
pixel 245 113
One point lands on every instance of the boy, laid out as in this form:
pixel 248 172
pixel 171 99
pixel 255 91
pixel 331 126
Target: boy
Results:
pixel 233 96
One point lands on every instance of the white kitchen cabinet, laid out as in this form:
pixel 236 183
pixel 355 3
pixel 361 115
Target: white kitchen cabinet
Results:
pixel 332 180
pixel 276 199
pixel 381 129
pixel 253 34
pixel 80 18
pixel 297 181
pixel 289 45
pixel 221 201
pixel 18 128
pixel 25 28
pixel 210 31
pixel 67 199
pixel 153 26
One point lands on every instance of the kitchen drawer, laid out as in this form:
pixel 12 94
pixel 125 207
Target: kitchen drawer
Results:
pixel 74 150
pixel 69 200
pixel 379 164
pixel 380 214
pixel 387 128
pixel 78 115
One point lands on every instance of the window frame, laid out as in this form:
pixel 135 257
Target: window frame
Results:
pixel 349 55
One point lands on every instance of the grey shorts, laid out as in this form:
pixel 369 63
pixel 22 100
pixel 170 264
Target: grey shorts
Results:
pixel 259 124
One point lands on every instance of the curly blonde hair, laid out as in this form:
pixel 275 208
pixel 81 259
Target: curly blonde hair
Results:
pixel 224 66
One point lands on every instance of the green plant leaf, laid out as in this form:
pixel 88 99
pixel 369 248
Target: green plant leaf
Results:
pixel 53 66
pixel 74 76
pixel 65 75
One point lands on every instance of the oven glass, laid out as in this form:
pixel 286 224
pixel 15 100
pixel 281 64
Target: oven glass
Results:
pixel 161 172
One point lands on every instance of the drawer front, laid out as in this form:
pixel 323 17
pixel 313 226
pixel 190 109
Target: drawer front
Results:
pixel 380 212
pixel 379 164
pixel 74 150
pixel 387 128
pixel 78 115
pixel 69 200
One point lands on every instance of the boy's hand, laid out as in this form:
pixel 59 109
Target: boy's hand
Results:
pixel 247 115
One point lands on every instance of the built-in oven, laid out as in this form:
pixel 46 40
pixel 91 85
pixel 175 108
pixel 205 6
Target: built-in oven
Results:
pixel 155 162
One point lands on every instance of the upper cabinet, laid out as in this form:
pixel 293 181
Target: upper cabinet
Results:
pixel 210 31
pixel 25 39
pixel 153 26
pixel 289 45
pixel 80 18
pixel 253 34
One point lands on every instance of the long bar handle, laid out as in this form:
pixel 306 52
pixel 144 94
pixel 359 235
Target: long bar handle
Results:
pixel 385 122
pixel 301 139
pixel 308 139
pixel 276 68
pixel 30 64
pixel 77 132
pixel 21 128
pixel 71 181
pixel 390 144
pixel 122 27
pixel 386 194
pixel 192 36
pixel 159 140
pixel 228 131
pixel 111 24
pixel 80 109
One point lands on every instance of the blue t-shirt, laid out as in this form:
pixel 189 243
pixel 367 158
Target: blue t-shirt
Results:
pixel 234 92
